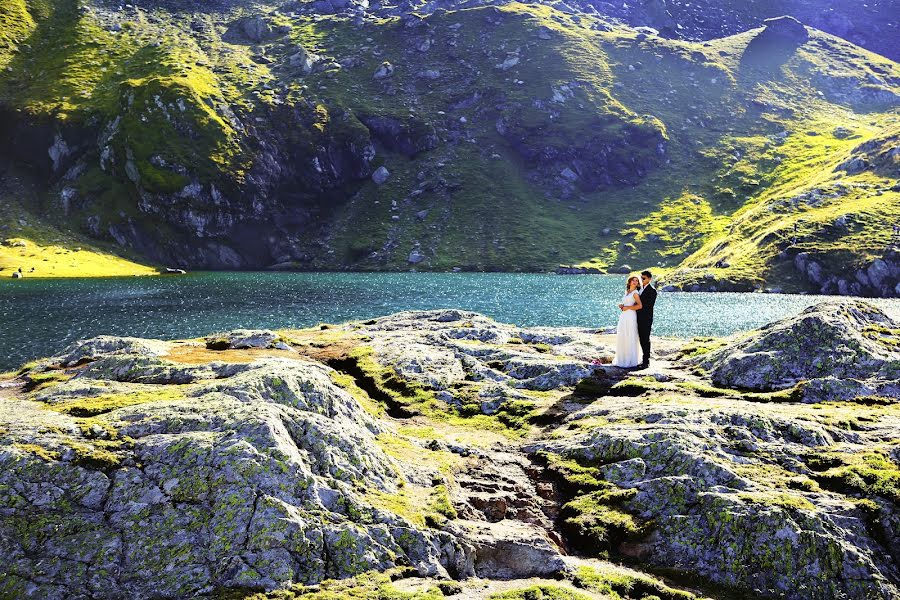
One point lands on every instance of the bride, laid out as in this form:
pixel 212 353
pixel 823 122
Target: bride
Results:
pixel 628 346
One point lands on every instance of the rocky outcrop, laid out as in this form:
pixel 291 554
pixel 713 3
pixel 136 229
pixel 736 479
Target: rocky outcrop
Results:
pixel 625 156
pixel 839 350
pixel 261 459
pixel 254 478
pixel 783 30
pixel 725 490
pixel 409 137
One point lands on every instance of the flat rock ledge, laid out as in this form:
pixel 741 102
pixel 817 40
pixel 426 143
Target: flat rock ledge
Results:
pixel 452 446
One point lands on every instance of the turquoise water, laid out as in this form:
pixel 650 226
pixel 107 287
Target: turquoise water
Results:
pixel 40 317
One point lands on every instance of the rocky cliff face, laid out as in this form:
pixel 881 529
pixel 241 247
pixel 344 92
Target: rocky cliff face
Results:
pixel 433 446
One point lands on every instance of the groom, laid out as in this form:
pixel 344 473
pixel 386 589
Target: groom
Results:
pixel 645 315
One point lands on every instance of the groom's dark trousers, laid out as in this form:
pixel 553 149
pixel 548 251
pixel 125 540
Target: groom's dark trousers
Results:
pixel 645 320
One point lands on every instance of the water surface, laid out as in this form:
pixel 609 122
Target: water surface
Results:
pixel 40 317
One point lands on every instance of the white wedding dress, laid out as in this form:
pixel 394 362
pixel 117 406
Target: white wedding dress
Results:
pixel 628 345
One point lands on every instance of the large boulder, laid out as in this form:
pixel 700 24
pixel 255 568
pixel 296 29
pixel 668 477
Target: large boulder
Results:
pixel 849 340
pixel 443 349
pixel 729 491
pixel 256 28
pixel 776 42
pixel 409 136
pixel 258 478
pixel 784 29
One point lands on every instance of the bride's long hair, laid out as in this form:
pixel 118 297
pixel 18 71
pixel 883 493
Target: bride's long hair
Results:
pixel 628 283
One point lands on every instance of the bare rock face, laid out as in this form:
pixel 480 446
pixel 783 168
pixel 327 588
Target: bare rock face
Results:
pixel 434 348
pixel 730 491
pixel 849 341
pixel 778 40
pixel 254 478
pixel 784 29
pixel 259 459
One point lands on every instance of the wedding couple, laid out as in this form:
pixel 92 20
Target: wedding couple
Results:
pixel 635 322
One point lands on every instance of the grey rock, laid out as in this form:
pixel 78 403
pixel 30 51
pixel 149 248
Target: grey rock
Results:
pixel 253 478
pixel 256 29
pixel 381 175
pixel 242 339
pixel 853 166
pixel 431 74
pixel 826 340
pixel 784 28
pixel 384 71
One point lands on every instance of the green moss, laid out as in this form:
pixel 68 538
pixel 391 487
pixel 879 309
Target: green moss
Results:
pixel 541 592
pixel 406 398
pixel 440 502
pixel 885 335
pixel 577 478
pixel 867 474
pixel 93 456
pixel 641 386
pixel 401 395
pixel 595 522
pixel 780 499
pixel 367 586
pixel 699 346
pixel 98 405
pixel 38 451
pixel 618 584
pixel 40 381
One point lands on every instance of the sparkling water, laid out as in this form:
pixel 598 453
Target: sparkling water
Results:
pixel 40 317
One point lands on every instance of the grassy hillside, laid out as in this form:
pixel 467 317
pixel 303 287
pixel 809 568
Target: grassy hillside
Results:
pixel 516 137
pixel 30 241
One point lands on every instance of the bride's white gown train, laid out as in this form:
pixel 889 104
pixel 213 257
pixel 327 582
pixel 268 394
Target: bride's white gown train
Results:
pixel 628 345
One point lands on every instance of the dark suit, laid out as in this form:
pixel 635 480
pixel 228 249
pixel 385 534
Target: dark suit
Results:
pixel 645 319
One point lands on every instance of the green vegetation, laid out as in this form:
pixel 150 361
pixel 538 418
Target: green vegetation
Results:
pixel 597 523
pixel 38 451
pixel 868 474
pixel 879 333
pixel 594 519
pixel 577 477
pixel 37 237
pixel 368 586
pixel 619 583
pixel 45 379
pixel 420 505
pixel 94 455
pixel 407 398
pixel 639 386
pixel 699 346
pixel 541 592
pixel 104 403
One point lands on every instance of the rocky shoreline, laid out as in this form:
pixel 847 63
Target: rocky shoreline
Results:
pixel 442 454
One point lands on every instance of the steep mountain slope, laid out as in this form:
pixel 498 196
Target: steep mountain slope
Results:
pixel 512 138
